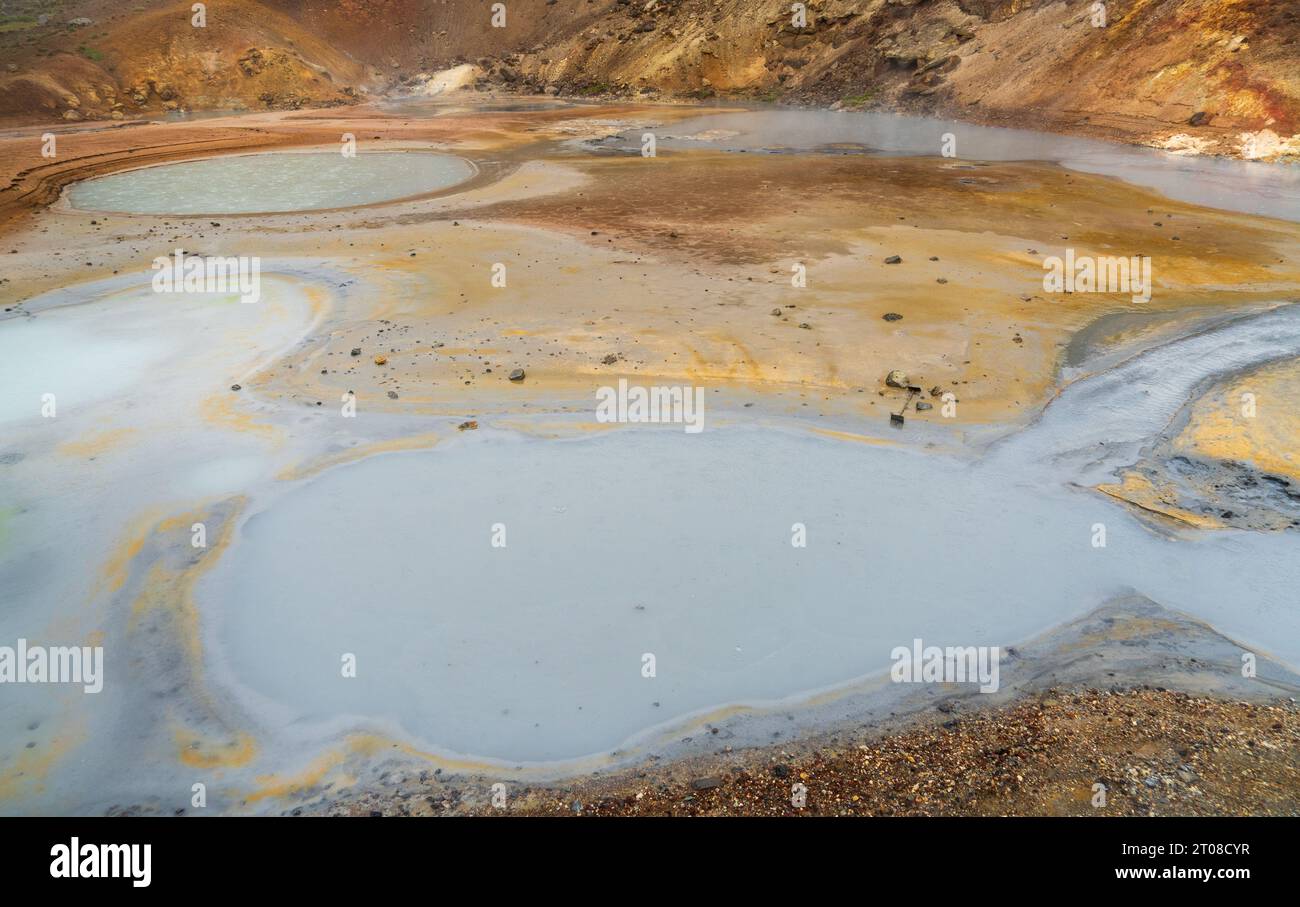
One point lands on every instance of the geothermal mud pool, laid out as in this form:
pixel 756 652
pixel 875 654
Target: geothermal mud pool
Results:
pixel 634 543
pixel 1218 183
pixel 326 537
pixel 271 182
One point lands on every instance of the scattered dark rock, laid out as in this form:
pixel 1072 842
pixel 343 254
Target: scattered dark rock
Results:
pixel 894 260
pixel 706 783
pixel 892 316
pixel 517 375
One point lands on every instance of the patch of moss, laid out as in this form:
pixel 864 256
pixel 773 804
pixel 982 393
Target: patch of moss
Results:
pixel 19 24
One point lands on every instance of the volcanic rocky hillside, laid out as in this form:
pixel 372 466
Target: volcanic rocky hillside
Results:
pixel 1200 75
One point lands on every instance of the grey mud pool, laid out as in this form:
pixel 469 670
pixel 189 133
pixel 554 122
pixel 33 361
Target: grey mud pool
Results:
pixel 269 183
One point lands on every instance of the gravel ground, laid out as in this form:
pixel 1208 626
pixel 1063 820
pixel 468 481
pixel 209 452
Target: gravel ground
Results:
pixel 1157 752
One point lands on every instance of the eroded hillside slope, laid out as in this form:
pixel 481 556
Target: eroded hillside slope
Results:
pixel 1217 76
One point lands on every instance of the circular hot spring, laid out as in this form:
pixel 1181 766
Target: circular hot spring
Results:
pixel 272 183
